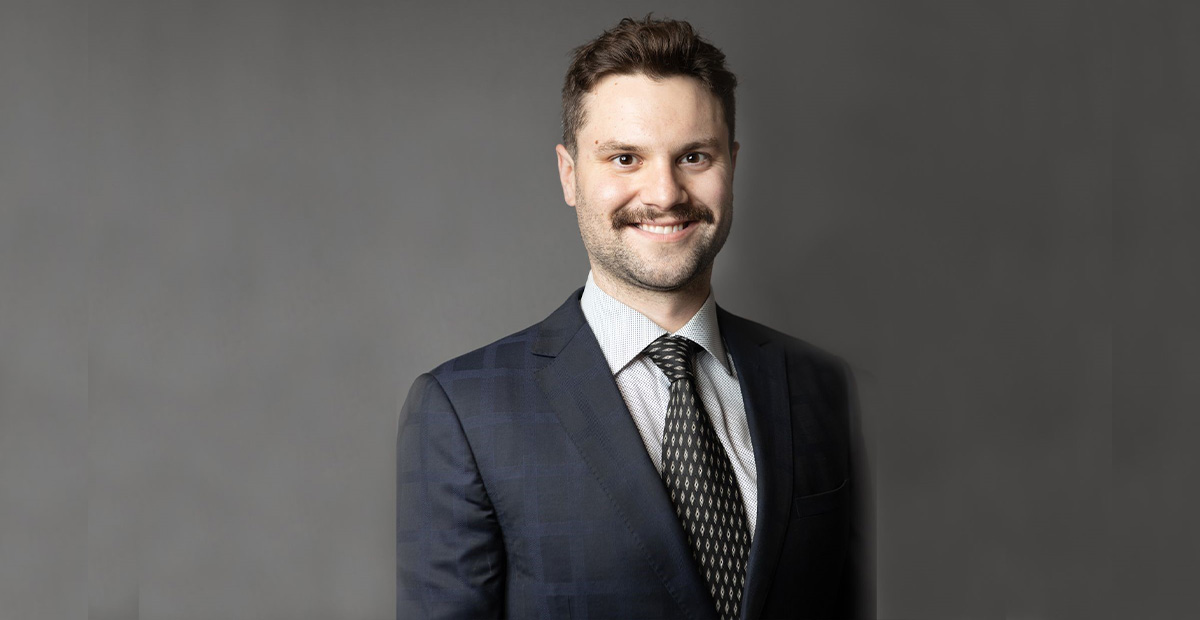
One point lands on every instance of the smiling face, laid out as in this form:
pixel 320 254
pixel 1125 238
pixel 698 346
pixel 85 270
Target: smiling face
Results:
pixel 651 181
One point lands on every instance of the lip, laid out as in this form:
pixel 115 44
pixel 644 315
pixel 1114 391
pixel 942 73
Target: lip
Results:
pixel 689 226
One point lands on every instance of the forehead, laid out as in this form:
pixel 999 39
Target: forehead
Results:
pixel 641 110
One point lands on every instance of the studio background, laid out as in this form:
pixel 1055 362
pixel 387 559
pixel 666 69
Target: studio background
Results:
pixel 295 208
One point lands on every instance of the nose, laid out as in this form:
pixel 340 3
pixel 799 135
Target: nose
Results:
pixel 662 188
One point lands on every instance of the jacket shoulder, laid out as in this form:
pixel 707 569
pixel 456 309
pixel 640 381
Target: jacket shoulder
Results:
pixel 518 351
pixel 511 352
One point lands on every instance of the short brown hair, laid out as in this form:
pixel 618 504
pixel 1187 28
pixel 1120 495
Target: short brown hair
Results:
pixel 658 48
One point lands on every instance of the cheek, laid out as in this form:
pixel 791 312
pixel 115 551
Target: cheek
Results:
pixel 608 194
pixel 711 192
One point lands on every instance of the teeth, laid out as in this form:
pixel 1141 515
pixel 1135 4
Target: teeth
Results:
pixel 662 230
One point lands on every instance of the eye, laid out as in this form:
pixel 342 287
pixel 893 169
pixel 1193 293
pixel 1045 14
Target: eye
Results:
pixel 625 160
pixel 694 158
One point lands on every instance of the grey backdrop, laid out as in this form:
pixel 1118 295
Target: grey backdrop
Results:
pixel 234 232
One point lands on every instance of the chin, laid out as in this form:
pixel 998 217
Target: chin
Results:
pixel 665 282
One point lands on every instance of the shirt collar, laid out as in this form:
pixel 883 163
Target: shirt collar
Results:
pixel 623 333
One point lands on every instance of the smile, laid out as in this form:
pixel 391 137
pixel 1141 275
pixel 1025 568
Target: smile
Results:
pixel 663 230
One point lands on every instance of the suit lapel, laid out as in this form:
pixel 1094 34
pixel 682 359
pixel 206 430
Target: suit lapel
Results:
pixel 762 374
pixel 580 386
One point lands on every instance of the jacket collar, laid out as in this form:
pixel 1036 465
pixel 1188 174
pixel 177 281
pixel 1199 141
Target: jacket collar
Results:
pixel 578 382
pixel 580 387
pixel 761 364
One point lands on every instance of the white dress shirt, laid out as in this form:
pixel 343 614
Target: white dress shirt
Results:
pixel 623 333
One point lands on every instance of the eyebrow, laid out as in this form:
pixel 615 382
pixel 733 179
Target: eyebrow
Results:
pixel 707 143
pixel 614 146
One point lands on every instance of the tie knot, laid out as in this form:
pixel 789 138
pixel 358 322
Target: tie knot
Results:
pixel 673 355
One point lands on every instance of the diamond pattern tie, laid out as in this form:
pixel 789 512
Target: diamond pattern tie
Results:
pixel 700 479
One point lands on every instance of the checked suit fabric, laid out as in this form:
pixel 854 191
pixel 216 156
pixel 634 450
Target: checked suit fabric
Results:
pixel 700 479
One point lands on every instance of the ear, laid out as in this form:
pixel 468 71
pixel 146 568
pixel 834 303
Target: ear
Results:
pixel 566 173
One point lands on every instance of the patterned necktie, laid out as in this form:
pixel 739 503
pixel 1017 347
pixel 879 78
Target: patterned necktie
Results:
pixel 700 479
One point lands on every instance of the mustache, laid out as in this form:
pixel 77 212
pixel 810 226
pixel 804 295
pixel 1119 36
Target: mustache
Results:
pixel 631 216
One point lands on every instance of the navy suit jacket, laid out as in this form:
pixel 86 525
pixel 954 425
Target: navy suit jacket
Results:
pixel 524 489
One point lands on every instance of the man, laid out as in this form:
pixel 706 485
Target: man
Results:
pixel 641 453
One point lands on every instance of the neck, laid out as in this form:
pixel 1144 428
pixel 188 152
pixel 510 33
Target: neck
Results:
pixel 670 310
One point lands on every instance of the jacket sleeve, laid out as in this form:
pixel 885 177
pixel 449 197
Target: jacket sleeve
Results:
pixel 449 549
pixel 859 593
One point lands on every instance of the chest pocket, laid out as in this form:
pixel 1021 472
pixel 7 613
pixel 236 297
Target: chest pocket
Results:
pixel 820 503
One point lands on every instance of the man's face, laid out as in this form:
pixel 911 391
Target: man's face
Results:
pixel 651 180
